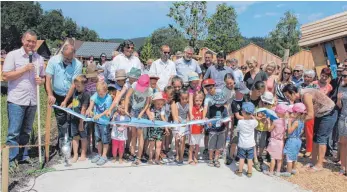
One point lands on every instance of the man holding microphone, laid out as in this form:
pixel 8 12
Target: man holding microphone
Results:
pixel 20 70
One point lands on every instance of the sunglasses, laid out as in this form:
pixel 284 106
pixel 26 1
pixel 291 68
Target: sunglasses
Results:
pixel 130 47
pixel 296 71
pixel 285 73
pixel 167 52
pixel 344 76
pixel 243 68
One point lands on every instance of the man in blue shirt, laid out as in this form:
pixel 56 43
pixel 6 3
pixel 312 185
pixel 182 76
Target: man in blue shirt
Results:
pixel 187 64
pixel 61 70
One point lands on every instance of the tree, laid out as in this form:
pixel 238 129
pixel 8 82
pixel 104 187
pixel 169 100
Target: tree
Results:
pixel 167 36
pixel 223 31
pixel 70 27
pixel 190 18
pixel 51 25
pixel 146 51
pixel 85 34
pixel 285 36
pixel 16 18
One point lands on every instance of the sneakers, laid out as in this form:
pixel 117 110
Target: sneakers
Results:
pixel 286 174
pixel 205 152
pixel 96 158
pixel 257 166
pixel 132 157
pixel 101 161
pixel 229 161
pixel 179 163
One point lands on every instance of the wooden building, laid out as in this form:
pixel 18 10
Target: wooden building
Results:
pixel 263 56
pixel 327 40
pixel 304 57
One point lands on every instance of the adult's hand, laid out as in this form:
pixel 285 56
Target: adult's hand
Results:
pixel 51 99
pixel 39 80
pixel 29 67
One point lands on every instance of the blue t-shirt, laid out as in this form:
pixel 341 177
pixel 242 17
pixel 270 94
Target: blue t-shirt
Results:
pixel 101 105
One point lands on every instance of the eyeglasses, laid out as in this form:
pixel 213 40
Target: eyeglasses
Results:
pixel 296 71
pixel 285 73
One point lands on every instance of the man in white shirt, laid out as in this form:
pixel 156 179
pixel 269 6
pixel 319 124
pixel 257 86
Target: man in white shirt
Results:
pixel 164 68
pixel 126 60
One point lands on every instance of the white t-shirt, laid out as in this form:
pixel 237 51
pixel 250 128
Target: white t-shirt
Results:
pixel 138 99
pixel 123 62
pixel 119 132
pixel 164 71
pixel 246 131
pixel 238 75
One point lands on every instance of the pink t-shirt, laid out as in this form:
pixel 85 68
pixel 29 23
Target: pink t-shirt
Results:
pixel 192 91
pixel 326 89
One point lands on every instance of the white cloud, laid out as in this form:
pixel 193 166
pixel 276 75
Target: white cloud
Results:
pixel 241 7
pixel 314 16
pixel 271 13
pixel 280 5
pixel 256 16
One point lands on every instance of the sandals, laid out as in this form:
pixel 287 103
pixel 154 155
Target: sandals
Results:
pixel 315 169
pixel 249 175
pixel 136 162
pixel 238 173
pixel 191 162
pixel 211 163
pixel 257 166
pixel 150 162
pixel 308 165
pixel 217 163
pixel 342 172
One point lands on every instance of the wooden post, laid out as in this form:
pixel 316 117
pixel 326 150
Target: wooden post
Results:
pixel 5 164
pixel 48 130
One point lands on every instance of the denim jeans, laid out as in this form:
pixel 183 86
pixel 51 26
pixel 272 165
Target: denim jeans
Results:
pixel 323 127
pixel 20 124
pixel 63 121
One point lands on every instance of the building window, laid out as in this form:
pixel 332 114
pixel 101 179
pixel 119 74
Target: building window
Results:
pixel 345 43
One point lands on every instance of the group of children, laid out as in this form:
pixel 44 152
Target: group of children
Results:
pixel 134 95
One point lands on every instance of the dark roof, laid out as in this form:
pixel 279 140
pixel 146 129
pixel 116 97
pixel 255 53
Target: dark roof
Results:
pixel 96 48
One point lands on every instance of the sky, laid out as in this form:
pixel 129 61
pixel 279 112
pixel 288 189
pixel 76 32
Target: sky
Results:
pixel 139 19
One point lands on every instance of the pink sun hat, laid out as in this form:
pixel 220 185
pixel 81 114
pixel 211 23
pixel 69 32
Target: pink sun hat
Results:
pixel 290 108
pixel 281 108
pixel 142 83
pixel 299 108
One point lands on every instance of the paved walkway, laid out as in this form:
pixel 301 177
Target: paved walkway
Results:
pixel 88 177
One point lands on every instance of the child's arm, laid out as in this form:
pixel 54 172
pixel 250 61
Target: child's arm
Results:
pixel 190 116
pixel 149 114
pixel 70 106
pixel 271 127
pixel 238 116
pixel 292 127
pixel 96 117
pixel 148 101
pixel 127 100
pixel 116 100
pixel 174 112
pixel 89 111
pixel 83 112
pixel 268 123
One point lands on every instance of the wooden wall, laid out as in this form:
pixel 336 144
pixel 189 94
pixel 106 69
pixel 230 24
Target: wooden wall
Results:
pixel 304 58
pixel 250 50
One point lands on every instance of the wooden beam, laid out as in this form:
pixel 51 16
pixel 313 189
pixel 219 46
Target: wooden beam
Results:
pixel 48 131
pixel 5 167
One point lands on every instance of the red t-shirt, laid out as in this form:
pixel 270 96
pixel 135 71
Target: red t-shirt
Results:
pixel 197 114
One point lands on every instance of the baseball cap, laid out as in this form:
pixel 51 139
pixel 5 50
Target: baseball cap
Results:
pixel 299 108
pixel 281 108
pixel 142 83
pixel 158 96
pixel 111 87
pixel 192 76
pixel 219 97
pixel 241 87
pixel 248 107
pixel 153 76
pixel 120 74
pixel 134 73
pixel 208 82
pixel 268 97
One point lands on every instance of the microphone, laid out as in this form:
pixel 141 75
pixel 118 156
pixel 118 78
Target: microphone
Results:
pixel 30 56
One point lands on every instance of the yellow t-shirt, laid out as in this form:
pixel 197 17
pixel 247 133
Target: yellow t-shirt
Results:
pixel 261 124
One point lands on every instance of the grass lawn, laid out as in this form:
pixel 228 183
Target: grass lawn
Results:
pixel 4 117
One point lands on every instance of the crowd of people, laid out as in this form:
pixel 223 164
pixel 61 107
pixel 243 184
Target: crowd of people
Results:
pixel 271 107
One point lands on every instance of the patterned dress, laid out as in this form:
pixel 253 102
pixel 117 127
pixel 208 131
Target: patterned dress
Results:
pixel 156 133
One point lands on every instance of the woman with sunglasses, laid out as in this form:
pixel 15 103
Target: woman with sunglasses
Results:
pixel 284 80
pixel 244 69
pixel 254 74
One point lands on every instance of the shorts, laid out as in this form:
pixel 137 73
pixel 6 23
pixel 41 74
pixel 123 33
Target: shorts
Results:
pixel 323 127
pixel 75 129
pixel 180 131
pixel 235 137
pixel 245 153
pixel 342 126
pixel 216 140
pixel 195 139
pixel 260 138
pixel 102 133
pixel 155 133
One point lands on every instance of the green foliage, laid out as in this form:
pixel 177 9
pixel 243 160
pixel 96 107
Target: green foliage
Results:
pixel 51 24
pixel 16 18
pixel 285 36
pixel 223 31
pixel 70 27
pixel 167 36
pixel 190 18
pixel 146 52
pixel 85 34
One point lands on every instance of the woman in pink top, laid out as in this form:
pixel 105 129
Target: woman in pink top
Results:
pixel 271 77
pixel 275 147
pixel 323 83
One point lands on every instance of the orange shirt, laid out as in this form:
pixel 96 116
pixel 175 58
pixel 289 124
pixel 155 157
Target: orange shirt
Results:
pixel 197 114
